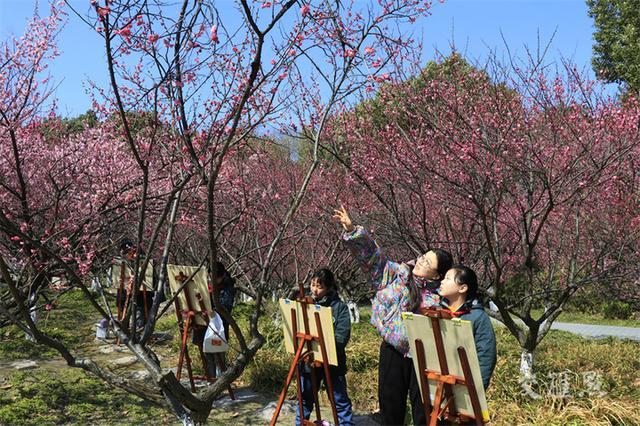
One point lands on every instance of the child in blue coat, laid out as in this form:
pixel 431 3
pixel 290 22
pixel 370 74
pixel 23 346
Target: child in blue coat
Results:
pixel 324 293
pixel 459 293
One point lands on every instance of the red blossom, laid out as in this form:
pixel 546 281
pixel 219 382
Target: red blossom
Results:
pixel 213 34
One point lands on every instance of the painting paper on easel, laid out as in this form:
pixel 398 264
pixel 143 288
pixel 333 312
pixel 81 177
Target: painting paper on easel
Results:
pixel 120 270
pixel 455 333
pixel 197 285
pixel 326 322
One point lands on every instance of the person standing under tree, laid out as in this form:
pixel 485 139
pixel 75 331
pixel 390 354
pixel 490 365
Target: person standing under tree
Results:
pixel 324 292
pixel 399 287
pixel 144 293
pixel 459 294
pixel 224 284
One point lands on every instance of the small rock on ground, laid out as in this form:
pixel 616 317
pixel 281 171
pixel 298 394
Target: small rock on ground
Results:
pixel 161 337
pixel 242 396
pixel 267 412
pixel 140 375
pixel 124 361
pixel 24 365
pixel 109 349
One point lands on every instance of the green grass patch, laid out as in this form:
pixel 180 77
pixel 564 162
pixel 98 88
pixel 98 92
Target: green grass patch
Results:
pixel 71 321
pixel 71 397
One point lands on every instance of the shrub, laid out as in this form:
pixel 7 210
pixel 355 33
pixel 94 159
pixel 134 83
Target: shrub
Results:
pixel 617 310
pixel 586 300
pixel 268 371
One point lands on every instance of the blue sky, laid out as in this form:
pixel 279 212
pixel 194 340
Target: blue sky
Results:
pixel 474 26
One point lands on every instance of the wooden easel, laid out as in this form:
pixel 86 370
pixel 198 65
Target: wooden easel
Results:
pixel 187 320
pixel 444 380
pixel 303 340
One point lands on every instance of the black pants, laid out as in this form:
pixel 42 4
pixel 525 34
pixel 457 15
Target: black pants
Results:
pixel 225 326
pixel 396 380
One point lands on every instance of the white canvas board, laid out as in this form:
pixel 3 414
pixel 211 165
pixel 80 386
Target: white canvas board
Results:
pixel 455 333
pixel 198 285
pixel 326 322
pixel 120 269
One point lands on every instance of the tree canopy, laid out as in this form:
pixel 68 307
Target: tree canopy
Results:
pixel 616 48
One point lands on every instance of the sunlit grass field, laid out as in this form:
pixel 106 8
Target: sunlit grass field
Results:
pixel 55 394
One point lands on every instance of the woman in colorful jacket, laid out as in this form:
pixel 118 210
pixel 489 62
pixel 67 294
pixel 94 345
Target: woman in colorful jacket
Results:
pixel 399 287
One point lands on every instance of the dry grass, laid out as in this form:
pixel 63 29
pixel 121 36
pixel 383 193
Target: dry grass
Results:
pixel 617 362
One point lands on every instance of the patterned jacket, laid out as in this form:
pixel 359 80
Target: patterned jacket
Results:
pixel 390 281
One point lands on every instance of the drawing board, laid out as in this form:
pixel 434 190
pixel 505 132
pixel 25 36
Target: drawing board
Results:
pixel 197 285
pixel 326 321
pixel 455 333
pixel 116 271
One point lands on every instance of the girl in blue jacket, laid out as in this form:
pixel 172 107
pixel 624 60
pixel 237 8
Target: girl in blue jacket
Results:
pixel 324 292
pixel 459 293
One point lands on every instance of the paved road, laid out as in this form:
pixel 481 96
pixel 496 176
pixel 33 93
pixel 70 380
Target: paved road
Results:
pixel 599 331
pixel 594 331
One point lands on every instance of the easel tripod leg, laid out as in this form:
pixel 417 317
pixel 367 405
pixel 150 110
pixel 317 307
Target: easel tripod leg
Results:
pixel 437 402
pixel 283 394
pixel 189 370
pixel 185 335
pixel 315 390
pixel 325 364
pixel 471 388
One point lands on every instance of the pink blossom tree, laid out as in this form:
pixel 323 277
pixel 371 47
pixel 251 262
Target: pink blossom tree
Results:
pixel 518 174
pixel 196 97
